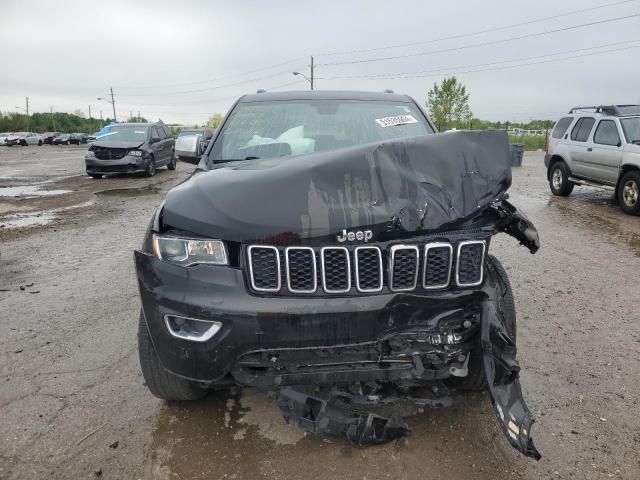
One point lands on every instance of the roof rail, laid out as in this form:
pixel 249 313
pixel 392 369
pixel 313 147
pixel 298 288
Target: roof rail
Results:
pixel 616 110
pixel 388 90
pixel 261 90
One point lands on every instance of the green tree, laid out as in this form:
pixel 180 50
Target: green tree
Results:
pixel 448 104
pixel 215 121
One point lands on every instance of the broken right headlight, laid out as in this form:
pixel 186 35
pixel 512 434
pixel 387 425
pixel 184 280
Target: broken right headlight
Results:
pixel 187 251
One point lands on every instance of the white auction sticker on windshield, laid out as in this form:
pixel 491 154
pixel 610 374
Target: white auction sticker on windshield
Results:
pixel 394 121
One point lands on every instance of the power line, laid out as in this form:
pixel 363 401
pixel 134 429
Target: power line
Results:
pixel 479 32
pixel 225 77
pixel 208 88
pixel 483 44
pixel 229 97
pixel 448 69
pixel 516 66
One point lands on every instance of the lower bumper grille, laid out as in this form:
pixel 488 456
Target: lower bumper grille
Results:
pixel 365 269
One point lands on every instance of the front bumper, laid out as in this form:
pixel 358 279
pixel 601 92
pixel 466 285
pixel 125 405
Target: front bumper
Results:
pixel 10 143
pixel 267 341
pixel 126 164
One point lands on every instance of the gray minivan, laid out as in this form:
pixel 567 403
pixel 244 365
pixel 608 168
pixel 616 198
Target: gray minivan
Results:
pixel 131 148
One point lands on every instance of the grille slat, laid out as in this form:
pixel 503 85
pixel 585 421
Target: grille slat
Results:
pixel 403 268
pixel 437 265
pixel 336 269
pixel 469 267
pixel 301 270
pixel 368 262
pixel 264 266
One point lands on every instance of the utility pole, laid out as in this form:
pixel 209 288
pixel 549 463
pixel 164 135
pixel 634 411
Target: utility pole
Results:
pixel 139 117
pixel 90 119
pixel 101 116
pixel 53 119
pixel 113 104
pixel 27 114
pixel 311 72
pixel 131 116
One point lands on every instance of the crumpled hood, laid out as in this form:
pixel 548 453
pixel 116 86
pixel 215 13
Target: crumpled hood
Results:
pixel 411 185
pixel 112 144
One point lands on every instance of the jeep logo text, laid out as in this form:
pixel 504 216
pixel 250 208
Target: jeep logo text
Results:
pixel 360 235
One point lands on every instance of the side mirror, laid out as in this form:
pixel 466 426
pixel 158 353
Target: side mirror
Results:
pixel 154 140
pixel 202 145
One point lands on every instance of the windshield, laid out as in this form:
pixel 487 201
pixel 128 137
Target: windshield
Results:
pixel 631 129
pixel 297 127
pixel 125 133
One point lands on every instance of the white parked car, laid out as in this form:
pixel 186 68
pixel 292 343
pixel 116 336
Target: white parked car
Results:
pixel 597 146
pixel 24 139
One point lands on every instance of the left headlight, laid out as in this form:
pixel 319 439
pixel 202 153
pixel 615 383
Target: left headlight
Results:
pixel 187 251
pixel 135 153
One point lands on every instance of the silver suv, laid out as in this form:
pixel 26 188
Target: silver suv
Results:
pixel 597 146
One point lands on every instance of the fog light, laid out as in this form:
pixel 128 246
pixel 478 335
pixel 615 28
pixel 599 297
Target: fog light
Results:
pixel 191 329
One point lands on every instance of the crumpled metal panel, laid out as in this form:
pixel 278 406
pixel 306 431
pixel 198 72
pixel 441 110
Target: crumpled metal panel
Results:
pixel 411 185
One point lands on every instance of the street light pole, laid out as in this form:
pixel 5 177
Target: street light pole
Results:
pixel 310 80
pixel 112 102
pixel 27 98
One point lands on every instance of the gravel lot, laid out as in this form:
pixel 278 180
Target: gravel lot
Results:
pixel 73 403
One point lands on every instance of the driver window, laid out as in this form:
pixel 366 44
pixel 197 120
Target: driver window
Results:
pixel 607 133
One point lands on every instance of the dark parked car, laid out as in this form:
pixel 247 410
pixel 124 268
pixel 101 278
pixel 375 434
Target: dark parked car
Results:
pixel 131 148
pixel 191 143
pixel 62 139
pixel 334 239
pixel 78 138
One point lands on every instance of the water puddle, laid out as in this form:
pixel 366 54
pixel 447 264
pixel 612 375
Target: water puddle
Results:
pixel 130 191
pixel 29 191
pixel 22 220
pixel 39 218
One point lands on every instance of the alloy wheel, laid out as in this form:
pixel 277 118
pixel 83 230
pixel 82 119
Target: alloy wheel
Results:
pixel 630 193
pixel 557 179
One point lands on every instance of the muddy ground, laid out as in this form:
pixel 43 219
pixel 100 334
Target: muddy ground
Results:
pixel 73 403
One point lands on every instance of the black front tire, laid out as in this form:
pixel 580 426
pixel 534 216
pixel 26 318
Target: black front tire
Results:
pixel 40 143
pixel 161 383
pixel 559 180
pixel 476 380
pixel 94 175
pixel 151 168
pixel 629 193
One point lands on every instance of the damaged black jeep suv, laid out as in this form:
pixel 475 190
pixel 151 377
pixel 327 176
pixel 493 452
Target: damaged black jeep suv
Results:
pixel 334 238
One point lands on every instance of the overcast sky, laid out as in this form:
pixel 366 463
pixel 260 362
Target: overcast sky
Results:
pixel 183 61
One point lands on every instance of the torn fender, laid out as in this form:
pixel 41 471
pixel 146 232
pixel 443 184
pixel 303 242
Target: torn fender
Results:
pixel 502 371
pixel 515 223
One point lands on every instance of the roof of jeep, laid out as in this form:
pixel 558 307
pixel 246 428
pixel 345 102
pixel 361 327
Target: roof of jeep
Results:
pixel 326 95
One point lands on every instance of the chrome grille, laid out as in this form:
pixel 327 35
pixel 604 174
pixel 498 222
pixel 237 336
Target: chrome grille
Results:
pixel 368 262
pixel 336 269
pixel 403 268
pixel 437 265
pixel 366 268
pixel 469 269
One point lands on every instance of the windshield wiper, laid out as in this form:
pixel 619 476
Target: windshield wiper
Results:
pixel 226 160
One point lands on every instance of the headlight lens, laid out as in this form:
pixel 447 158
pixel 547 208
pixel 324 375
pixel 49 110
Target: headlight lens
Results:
pixel 186 251
pixel 90 154
pixel 135 153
